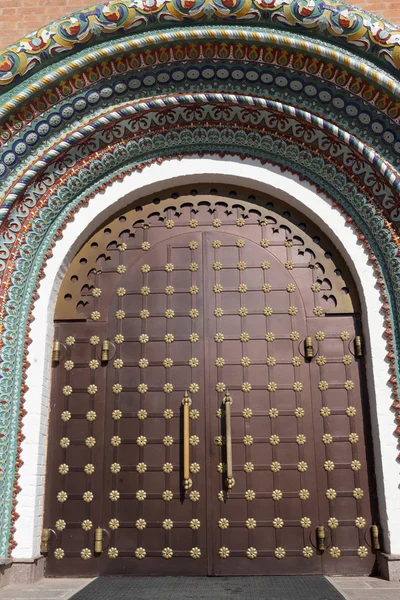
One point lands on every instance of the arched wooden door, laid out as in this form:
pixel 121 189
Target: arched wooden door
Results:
pixel 214 297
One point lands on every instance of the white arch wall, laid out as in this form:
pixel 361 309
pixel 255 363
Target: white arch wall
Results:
pixel 152 179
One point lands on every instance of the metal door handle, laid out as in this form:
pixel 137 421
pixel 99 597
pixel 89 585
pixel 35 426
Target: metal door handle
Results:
pixel 229 481
pixel 187 482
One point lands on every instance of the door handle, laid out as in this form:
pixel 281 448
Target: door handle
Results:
pixel 229 481
pixel 186 402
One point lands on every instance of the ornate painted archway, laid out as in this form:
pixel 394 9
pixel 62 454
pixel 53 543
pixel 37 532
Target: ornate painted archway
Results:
pixel 311 87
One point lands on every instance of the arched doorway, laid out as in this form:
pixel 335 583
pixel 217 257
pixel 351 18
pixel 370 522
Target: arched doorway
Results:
pixel 203 291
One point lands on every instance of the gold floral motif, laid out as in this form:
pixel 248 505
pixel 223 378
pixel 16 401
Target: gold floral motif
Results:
pixel 265 264
pixel 168 388
pixel 220 386
pixel 251 523
pixel 270 337
pixel 244 337
pixel 358 493
pixel 362 551
pixel 321 361
pixel 117 388
pixel 222 496
pixel 247 413
pixel 193 223
pixel 325 411
pixel 271 361
pixel 194 337
pixel 67 390
pixel 316 287
pixel 353 438
pixel 277 495
pixel 248 440
pixel 293 310
pixel 329 465
pixel 272 386
pixel 140 553
pixel 307 552
pixel 92 389
pixel 355 465
pixel 327 439
pixel 297 386
pixel 121 269
pixel 294 336
pixel 68 365
pixel 119 338
pixel 143 338
pixel 288 243
pixel 223 523
pixel 221 467
pixel 145 268
pixel 93 364
pixel 141 467
pixel 168 363
pixel 242 288
pixel 351 411
pixel 64 442
pixel 251 553
pixel 248 467
pixel 168 524
pixel 347 359
pixel 318 311
pixel 331 494
pixel 169 338
pixel 218 312
pixel 169 267
pixel 167 495
pixel 240 222
pixel 302 466
pixel 193 245
pixel 169 290
pixel 194 413
pixel 87 525
pixel 113 495
pixel 289 264
pixel 249 495
pixel 86 554
pixel 141 495
pixel 305 522
pixel 240 243
pixel 323 385
pixel 335 552
pixel 216 244
pixel 143 363
pixel 280 552
pixel 144 314
pixel 113 524
pixel 115 468
pixel 349 385
pixel 241 265
pixel 59 553
pixel 299 412
pixel 194 524
pixel 168 467
pixel 141 440
pixel 70 340
pixel 291 288
pixel 219 337
pixel 264 243
pixel 301 439
pixel 193 362
pixel 195 552
pixel 333 523
pixel 216 223
pixel 60 525
pixel 194 388
pixel 112 552
pixel 87 496
pixel 217 288
pixel 141 414
pixel 219 362
pixel 194 440
pixel 195 468
pixel 122 247
pixel 274 440
pixel 345 336
pixel 194 313
pixel 194 496
pixel 169 223
pixel 320 336
pixel 89 469
pixel 120 314
pixel 63 469
pixel 275 466
pixel 193 267
pixel 121 291
pixel 304 494
pixel 169 313
pixel 245 361
pixel 360 522
pixel 268 311
pixel 65 415
pixel 224 552
pixel 246 386
pixel 62 496
pixel 278 523
pixel 90 442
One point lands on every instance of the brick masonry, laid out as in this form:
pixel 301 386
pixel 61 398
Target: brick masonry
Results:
pixel 20 17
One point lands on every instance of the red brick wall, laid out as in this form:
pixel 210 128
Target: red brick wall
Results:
pixel 19 17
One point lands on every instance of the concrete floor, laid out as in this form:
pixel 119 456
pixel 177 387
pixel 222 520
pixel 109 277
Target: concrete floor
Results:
pixel 352 588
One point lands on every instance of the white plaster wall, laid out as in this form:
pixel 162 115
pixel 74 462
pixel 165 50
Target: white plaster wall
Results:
pixel 254 176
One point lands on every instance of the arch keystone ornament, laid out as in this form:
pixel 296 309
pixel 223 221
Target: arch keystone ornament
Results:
pixel 114 94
